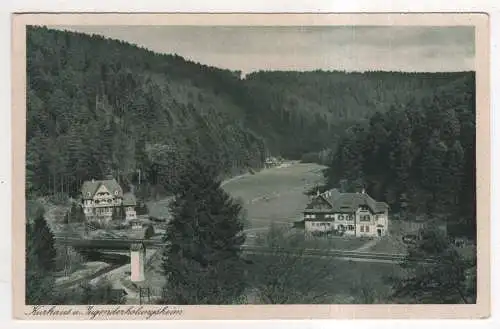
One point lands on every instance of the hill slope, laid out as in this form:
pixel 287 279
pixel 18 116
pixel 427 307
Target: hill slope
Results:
pixel 98 106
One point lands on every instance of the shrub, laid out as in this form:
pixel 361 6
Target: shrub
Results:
pixel 142 209
pixel 310 157
pixel 94 225
pixel 59 198
pixel 150 232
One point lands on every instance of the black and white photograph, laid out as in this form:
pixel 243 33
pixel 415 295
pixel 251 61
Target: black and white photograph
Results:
pixel 250 165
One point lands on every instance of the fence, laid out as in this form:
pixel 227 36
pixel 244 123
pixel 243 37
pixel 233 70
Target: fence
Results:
pixel 151 295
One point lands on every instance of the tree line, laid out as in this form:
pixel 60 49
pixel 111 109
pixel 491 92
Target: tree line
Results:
pixel 97 106
pixel 419 156
pixel 203 261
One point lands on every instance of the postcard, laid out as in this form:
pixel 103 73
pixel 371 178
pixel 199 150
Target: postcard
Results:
pixel 250 166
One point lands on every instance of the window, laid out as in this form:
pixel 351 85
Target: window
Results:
pixel 116 192
pixel 349 217
pixel 341 217
pixel 361 228
pixel 367 229
pixel 350 227
pixel 88 193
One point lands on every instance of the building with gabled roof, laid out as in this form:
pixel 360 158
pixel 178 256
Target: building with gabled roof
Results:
pixel 356 214
pixel 103 198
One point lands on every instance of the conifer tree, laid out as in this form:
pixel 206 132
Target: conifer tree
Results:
pixel 433 173
pixel 202 259
pixel 400 156
pixel 40 261
pixel 454 164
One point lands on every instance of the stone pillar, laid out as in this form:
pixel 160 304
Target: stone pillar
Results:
pixel 137 258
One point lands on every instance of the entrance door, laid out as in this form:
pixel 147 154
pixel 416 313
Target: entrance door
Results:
pixel 379 232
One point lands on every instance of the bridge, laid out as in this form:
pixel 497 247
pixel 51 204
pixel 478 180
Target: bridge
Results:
pixel 137 249
pixel 108 244
pixel 120 244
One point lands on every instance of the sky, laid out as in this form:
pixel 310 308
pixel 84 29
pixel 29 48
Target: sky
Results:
pixel 349 48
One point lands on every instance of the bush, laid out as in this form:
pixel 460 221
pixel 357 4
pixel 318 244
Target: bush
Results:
pixel 119 226
pixel 100 293
pixel 142 209
pixel 150 232
pixel 311 157
pixel 75 214
pixel 94 225
pixel 67 258
pixel 59 198
pixel 299 224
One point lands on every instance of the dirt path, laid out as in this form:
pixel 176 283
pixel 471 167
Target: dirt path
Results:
pixel 368 245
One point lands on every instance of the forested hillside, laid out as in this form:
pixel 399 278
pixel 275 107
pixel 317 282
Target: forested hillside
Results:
pixel 98 106
pixel 319 106
pixel 419 156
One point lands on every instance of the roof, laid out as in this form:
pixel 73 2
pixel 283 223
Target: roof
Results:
pixel 129 199
pixel 348 202
pixel 92 186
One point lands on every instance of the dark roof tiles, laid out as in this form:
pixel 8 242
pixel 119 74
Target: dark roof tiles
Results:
pixel 350 202
pixel 89 188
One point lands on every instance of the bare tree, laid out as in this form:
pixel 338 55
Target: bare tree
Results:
pixel 285 274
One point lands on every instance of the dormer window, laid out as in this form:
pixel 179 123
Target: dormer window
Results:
pixel 88 193
pixel 116 192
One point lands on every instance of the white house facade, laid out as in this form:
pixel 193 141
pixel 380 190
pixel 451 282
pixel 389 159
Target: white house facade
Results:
pixel 103 198
pixel 354 214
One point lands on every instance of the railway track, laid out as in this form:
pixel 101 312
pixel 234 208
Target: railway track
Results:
pixel 330 253
pixel 124 244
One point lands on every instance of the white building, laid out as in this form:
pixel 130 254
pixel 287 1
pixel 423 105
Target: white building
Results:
pixel 355 214
pixel 103 198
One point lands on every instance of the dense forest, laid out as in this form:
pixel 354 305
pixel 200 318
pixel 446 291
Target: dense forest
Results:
pixel 419 156
pixel 98 106
pixel 164 125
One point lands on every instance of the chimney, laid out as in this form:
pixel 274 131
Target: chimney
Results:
pixel 363 191
pixel 93 180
